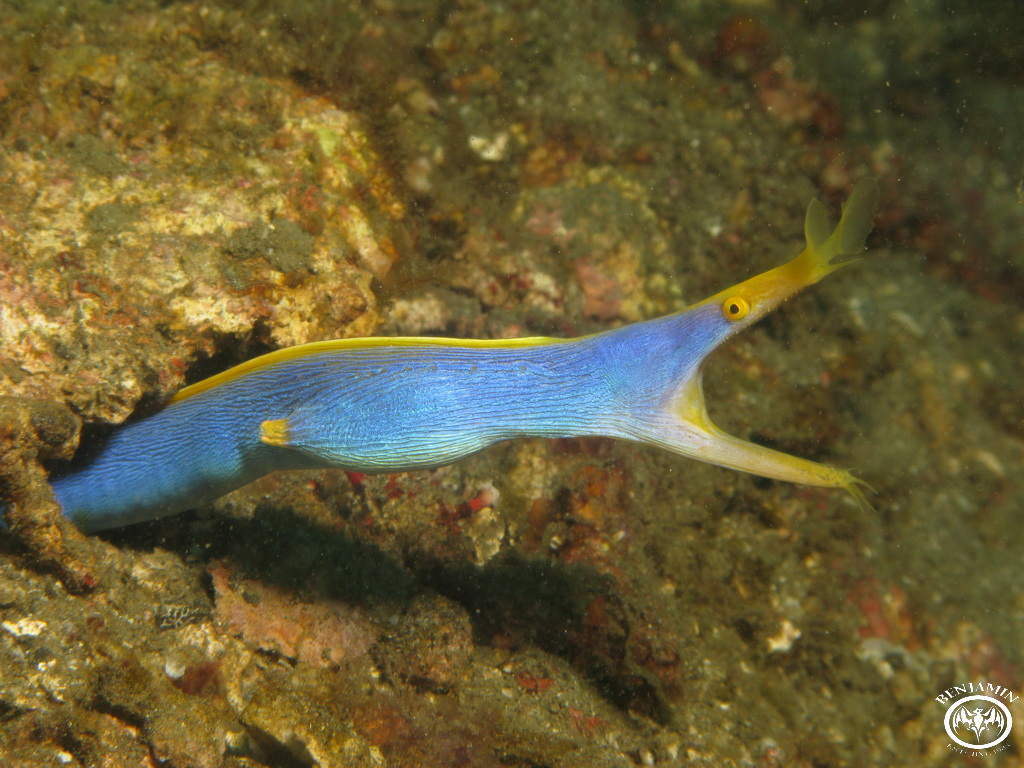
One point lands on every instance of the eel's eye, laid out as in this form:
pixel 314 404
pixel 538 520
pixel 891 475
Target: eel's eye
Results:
pixel 735 308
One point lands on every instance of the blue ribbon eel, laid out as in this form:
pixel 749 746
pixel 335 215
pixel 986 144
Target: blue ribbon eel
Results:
pixel 396 404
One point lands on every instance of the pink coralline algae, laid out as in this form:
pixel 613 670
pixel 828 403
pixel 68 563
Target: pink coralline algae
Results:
pixel 322 633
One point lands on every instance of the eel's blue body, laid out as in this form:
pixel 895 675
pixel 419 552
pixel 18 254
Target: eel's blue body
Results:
pixel 376 409
pixel 392 404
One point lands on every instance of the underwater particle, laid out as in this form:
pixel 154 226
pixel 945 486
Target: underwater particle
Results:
pixel 781 642
pixel 25 627
pixel 491 150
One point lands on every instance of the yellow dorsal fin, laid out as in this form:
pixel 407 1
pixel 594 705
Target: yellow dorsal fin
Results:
pixel 334 345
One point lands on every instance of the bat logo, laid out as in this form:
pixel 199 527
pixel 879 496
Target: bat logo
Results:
pixel 978 722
